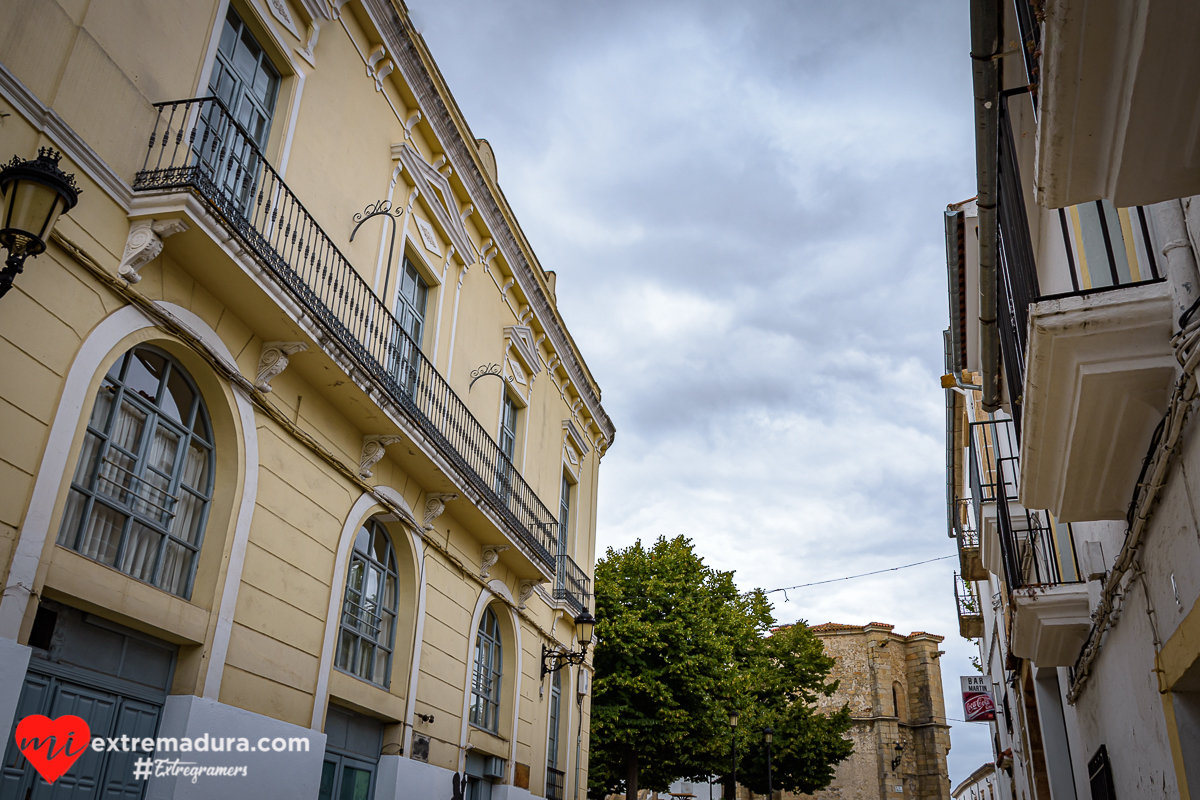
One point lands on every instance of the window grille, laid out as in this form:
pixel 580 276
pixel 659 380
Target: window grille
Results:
pixel 140 494
pixel 1100 776
pixel 368 625
pixel 485 689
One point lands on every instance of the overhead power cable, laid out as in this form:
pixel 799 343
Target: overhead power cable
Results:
pixel 863 575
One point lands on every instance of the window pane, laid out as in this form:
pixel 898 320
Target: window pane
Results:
pixel 163 449
pixel 356 783
pixel 387 629
pixel 381 660
pixel 76 502
pixel 144 374
pixel 381 547
pixel 87 459
pixel 345 650
pixel 188 513
pixel 127 427
pixel 141 550
pixel 328 771
pixel 116 475
pixel 176 568
pixel 103 534
pixel 152 499
pixel 195 468
pixel 389 594
pixel 362 542
pixel 366 657
pixel 355 580
pixel 104 399
pixel 177 400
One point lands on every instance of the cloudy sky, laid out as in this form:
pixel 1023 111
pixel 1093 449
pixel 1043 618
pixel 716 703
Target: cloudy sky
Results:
pixel 743 204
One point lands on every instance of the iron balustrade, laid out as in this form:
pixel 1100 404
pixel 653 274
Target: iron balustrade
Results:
pixel 556 781
pixel 571 584
pixel 1035 550
pixel 967 532
pixel 970 612
pixel 198 146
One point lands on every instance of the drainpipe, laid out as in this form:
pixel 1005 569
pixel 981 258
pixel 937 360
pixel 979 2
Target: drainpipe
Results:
pixel 951 526
pixel 985 57
pixel 1172 229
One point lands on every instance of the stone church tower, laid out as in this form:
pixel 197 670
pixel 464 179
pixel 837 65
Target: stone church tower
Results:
pixel 893 684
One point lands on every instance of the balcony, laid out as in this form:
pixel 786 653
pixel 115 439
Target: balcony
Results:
pixel 965 530
pixel 572 587
pixel 1099 375
pixel 1050 623
pixel 992 472
pixel 970 613
pixel 197 149
pixel 1115 78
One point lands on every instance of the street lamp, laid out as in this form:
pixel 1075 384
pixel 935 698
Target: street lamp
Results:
pixel 769 736
pixel 35 194
pixel 733 718
pixel 554 660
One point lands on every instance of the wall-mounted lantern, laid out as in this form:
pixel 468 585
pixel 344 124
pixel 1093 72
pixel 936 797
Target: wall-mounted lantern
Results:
pixel 554 660
pixel 36 193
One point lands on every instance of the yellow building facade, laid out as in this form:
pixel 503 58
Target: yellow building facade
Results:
pixel 298 453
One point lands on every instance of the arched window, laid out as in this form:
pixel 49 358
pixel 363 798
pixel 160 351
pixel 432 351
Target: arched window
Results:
pixel 899 704
pixel 485 689
pixel 368 629
pixel 140 494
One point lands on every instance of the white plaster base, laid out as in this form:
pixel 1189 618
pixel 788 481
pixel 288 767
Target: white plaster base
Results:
pixel 401 778
pixel 14 660
pixel 286 776
pixel 507 792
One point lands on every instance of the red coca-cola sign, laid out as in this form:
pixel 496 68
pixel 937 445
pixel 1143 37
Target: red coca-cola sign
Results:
pixel 977 699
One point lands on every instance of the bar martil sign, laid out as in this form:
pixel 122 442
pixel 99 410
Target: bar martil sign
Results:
pixel 977 699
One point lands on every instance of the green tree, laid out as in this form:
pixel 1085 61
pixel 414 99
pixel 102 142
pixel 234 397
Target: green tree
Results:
pixel 789 676
pixel 679 648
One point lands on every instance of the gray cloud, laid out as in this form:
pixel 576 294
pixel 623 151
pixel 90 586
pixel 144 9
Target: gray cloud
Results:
pixel 743 205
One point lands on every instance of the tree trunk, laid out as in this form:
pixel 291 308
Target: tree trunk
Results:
pixel 631 774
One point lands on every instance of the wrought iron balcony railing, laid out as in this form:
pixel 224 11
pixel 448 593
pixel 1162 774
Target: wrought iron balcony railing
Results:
pixel 571 584
pixel 197 146
pixel 1035 549
pixel 970 612
pixel 556 781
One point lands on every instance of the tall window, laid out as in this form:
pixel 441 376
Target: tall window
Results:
pixel 140 493
pixel 564 532
pixel 485 689
pixel 368 627
pixel 411 294
pixel 508 444
pixel 244 78
pixel 554 776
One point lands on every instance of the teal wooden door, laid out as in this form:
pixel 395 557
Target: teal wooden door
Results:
pixel 95 775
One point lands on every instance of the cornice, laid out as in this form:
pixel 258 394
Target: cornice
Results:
pixel 413 69
pixel 46 120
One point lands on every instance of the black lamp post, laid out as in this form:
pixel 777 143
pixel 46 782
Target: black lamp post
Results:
pixel 733 718
pixel 554 660
pixel 769 736
pixel 35 194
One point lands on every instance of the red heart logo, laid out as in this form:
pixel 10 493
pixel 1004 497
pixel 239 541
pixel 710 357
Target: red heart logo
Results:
pixel 52 745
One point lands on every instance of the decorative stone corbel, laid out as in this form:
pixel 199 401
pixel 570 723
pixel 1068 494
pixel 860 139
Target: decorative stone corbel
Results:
pixel 373 449
pixel 274 360
pixel 525 591
pixel 145 243
pixel 374 58
pixel 487 259
pixel 382 73
pixel 491 554
pixel 410 123
pixel 412 198
pixel 467 211
pixel 314 32
pixel 435 504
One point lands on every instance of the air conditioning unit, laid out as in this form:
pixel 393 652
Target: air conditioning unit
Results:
pixel 493 767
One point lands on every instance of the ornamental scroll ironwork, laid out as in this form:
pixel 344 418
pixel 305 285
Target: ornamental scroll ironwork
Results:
pixel 487 370
pixel 380 208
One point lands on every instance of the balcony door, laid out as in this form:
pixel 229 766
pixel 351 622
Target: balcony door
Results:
pixel 244 79
pixel 411 295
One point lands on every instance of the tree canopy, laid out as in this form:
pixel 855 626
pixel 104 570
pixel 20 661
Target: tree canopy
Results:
pixel 679 648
